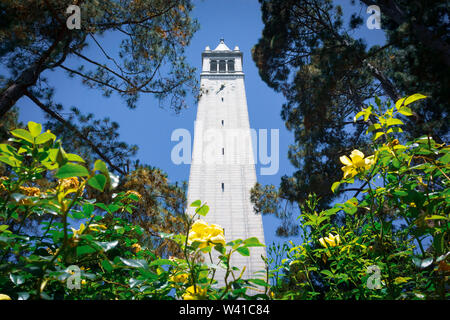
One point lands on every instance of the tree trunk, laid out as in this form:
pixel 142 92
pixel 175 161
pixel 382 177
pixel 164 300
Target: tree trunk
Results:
pixel 17 89
pixel 388 87
pixel 28 77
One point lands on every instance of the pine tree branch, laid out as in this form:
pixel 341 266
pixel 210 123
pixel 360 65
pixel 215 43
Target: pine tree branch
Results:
pixel 67 124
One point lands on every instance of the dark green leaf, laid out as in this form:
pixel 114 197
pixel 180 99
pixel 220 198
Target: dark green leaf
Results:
pixel 98 182
pixel 243 251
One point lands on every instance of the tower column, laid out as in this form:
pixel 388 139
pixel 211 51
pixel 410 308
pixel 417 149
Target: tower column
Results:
pixel 222 170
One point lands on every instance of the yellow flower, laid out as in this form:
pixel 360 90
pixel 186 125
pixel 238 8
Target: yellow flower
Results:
pixel 30 191
pixel 136 248
pixel 83 281
pixel 356 163
pixel 191 294
pixel 4 297
pixel 78 232
pixel 2 187
pixel 206 234
pixel 331 240
pixel 96 227
pixel 180 278
pixel 69 183
pixel 93 227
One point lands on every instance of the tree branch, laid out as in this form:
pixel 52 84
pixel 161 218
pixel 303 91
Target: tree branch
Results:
pixel 67 124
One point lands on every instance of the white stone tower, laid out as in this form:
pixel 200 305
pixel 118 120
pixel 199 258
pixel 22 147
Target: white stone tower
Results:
pixel 222 169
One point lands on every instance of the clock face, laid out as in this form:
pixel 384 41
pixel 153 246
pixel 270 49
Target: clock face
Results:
pixel 219 86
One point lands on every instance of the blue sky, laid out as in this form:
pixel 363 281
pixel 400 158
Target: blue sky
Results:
pixel 150 127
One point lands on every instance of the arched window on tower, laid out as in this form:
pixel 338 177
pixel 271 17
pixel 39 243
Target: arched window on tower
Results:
pixel 230 65
pixel 213 66
pixel 222 65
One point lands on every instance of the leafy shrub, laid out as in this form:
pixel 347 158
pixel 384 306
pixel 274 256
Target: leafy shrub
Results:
pixel 82 248
pixel 391 244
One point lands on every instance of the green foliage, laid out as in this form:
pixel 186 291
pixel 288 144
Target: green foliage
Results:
pixel 326 74
pixel 85 249
pixel 150 36
pixel 399 228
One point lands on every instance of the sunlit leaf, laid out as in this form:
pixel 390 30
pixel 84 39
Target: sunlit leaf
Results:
pixel 35 128
pixel 71 170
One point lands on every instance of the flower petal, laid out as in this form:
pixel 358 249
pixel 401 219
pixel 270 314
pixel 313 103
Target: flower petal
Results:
pixel 345 160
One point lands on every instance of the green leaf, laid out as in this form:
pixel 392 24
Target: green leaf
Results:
pixel 378 101
pixel 113 208
pixel 422 263
pixel 393 122
pixel 85 250
pixel 373 127
pixel 220 248
pixel 107 245
pixel 327 273
pixel 101 166
pixel 162 262
pixel 259 282
pixel 119 229
pixel 436 217
pixel 61 156
pixel 23 134
pixel 35 128
pixel 377 135
pixel 77 215
pixel 445 159
pixel 102 206
pixel 98 182
pixel 408 100
pixel 6 148
pixel 358 115
pixel 16 279
pixel 196 203
pixel 395 129
pixel 253 242
pixel 88 208
pixel 13 162
pixel 107 265
pixel 335 186
pixel 135 282
pixel 23 295
pixel 405 111
pixel 71 170
pixel 74 157
pixel 243 251
pixel 400 280
pixel 134 263
pixel 3 227
pixel 203 210
pixel 44 137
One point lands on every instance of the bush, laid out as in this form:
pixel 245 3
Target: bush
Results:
pixel 56 243
pixel 391 244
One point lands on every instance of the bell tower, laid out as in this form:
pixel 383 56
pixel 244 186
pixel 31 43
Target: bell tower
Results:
pixel 223 168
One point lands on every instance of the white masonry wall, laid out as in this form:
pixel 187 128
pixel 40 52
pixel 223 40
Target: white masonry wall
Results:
pixel 222 154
